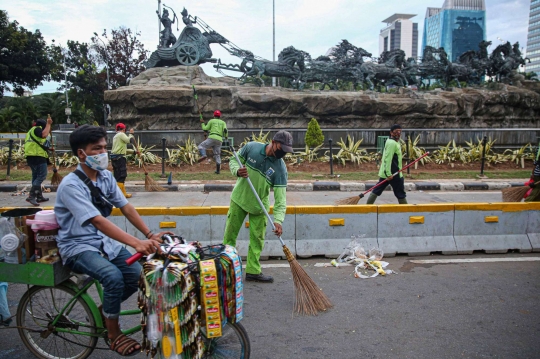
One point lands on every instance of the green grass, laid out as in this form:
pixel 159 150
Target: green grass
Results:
pixel 25 175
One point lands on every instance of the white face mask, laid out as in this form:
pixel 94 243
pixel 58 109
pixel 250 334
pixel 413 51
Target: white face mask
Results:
pixel 97 162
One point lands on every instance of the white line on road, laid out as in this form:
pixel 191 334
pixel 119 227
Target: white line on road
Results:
pixel 271 266
pixel 461 192
pixel 475 260
pixel 423 261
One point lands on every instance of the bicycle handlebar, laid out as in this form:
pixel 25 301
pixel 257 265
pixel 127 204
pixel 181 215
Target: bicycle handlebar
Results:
pixel 134 258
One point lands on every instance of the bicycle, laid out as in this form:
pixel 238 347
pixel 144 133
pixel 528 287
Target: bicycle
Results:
pixel 64 322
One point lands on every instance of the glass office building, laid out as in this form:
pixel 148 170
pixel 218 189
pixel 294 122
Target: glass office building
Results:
pixel 533 38
pixel 459 26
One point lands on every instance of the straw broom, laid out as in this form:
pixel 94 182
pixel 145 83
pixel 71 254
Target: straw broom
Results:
pixel 149 184
pixel 354 200
pixel 515 194
pixel 56 177
pixel 309 298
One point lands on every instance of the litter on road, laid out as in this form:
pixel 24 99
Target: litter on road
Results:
pixel 366 265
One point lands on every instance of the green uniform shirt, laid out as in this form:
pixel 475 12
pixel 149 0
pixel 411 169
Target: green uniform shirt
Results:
pixel 216 128
pixel 265 172
pixel 31 147
pixel 391 159
pixel 119 144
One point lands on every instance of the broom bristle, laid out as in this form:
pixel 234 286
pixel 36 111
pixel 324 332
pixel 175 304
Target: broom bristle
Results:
pixel 309 298
pixel 348 201
pixel 56 178
pixel 514 194
pixel 152 186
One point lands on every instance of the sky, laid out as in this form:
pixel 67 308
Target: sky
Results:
pixel 310 25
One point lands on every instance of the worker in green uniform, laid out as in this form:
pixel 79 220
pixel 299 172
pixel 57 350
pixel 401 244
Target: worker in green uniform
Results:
pixel 36 149
pixel 118 155
pixel 534 196
pixel 217 130
pixel 391 163
pixel 264 165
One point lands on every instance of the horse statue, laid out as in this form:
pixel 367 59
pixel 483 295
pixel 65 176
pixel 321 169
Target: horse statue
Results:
pixel 343 64
pixel 478 60
pixel 457 71
pixel 505 67
pixel 389 71
pixel 291 64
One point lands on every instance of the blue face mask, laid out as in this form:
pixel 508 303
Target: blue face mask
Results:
pixel 97 162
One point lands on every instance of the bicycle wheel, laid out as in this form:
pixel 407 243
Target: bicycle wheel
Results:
pixel 38 308
pixel 234 343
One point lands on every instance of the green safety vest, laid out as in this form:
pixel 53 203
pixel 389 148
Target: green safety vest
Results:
pixel 31 148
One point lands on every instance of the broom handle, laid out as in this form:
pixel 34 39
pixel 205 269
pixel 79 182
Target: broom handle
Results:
pixel 394 174
pixel 257 195
pixel 139 155
pixel 53 153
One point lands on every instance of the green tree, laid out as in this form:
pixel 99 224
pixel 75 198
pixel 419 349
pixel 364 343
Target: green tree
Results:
pixel 7 116
pixel 314 136
pixel 85 81
pixel 25 58
pixel 531 76
pixel 123 53
pixel 53 104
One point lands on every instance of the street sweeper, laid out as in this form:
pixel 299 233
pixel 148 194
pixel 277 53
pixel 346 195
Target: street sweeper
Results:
pixel 118 155
pixel 263 164
pixel 217 131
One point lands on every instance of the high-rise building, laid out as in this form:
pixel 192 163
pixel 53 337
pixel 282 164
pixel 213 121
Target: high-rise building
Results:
pixel 533 38
pixel 459 26
pixel 399 33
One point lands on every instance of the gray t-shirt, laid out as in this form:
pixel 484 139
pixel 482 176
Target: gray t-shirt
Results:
pixel 74 210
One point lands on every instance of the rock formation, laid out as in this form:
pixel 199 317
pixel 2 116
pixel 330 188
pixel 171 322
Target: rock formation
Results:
pixel 162 99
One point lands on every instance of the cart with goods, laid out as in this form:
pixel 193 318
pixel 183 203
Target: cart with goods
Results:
pixel 190 301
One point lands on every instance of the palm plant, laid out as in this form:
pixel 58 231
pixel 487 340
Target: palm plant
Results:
pixel 414 152
pixel 145 157
pixel 189 153
pixel 350 151
pixel 520 155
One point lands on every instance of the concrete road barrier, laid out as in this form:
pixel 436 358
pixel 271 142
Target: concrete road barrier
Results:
pixel 533 226
pixel 272 246
pixel 416 229
pixel 192 223
pixel 492 227
pixel 326 230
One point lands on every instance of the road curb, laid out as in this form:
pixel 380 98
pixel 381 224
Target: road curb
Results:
pixel 306 186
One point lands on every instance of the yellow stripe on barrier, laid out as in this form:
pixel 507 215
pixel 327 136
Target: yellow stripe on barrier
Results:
pixel 336 222
pixel 217 210
pixel 500 206
pixel 335 209
pixel 407 208
pixel 167 224
pixel 173 211
pixel 491 219
pixel 416 220
pixel 290 210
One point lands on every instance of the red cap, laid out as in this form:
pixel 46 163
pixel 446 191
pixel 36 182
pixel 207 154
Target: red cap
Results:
pixel 217 113
pixel 120 126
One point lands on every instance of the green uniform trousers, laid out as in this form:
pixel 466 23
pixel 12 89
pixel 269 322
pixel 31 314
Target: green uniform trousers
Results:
pixel 257 231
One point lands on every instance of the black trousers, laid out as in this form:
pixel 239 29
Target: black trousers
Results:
pixel 119 164
pixel 398 186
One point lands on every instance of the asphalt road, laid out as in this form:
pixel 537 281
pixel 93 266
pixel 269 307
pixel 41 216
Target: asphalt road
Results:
pixel 465 310
pixel 178 199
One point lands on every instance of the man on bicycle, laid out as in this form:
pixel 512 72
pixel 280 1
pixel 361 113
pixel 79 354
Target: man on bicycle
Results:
pixel 91 244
